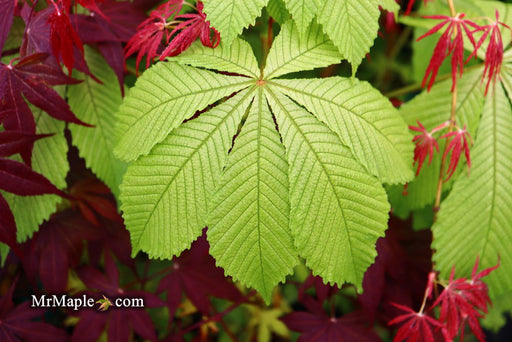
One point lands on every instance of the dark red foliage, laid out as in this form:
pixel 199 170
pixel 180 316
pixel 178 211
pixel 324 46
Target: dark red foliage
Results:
pixel 7 226
pixel 195 274
pixel 410 4
pixel 352 327
pixel 418 327
pixel 195 26
pixel 6 17
pixel 451 42
pixel 56 248
pixel 456 146
pixel 19 179
pixel 322 291
pixel 17 323
pixel 120 322
pixel 399 273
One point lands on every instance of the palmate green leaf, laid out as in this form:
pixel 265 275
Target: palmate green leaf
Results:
pixel 49 158
pixel 314 47
pixel 258 201
pixel 230 17
pixel 303 12
pixel 352 25
pixel 475 219
pixel 337 210
pixel 96 104
pixel 363 118
pixel 163 97
pixel 250 210
pixel 165 195
pixel 432 109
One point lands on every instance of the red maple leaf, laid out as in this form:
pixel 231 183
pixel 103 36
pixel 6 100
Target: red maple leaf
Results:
pixel 8 226
pixel 494 51
pixel 451 42
pixel 17 322
pixel 151 32
pixel 6 18
pixel 12 142
pixel 351 327
pixel 195 274
pixel 457 145
pixel 410 4
pixel 425 144
pixel 63 37
pixel 418 327
pixel 195 26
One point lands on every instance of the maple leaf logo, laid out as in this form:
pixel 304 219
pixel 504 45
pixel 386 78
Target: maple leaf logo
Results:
pixel 105 303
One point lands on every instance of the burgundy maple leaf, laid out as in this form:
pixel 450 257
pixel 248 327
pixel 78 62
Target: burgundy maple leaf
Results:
pixel 425 144
pixel 195 274
pixel 119 322
pixel 6 18
pixel 195 26
pixel 17 322
pixel 12 142
pixel 494 51
pixel 451 42
pixel 457 145
pixel 8 226
pixel 151 32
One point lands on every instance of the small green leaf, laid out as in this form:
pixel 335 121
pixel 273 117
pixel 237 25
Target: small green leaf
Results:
pixel 230 17
pixel 97 104
pixel 352 25
pixel 165 195
pixel 239 58
pixel 162 98
pixel 293 51
pixel 364 120
pixel 249 229
pixel 303 12
pixel 338 211
pixel 277 10
pixel 475 219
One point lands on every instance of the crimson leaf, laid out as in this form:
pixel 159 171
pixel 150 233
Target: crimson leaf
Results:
pixel 12 142
pixel 6 17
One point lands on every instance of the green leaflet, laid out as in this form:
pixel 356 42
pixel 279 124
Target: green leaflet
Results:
pixel 258 202
pixel 4 251
pixel 277 10
pixel 363 118
pixel 337 210
pixel 432 109
pixel 316 50
pixel 352 25
pixel 165 195
pixel 303 12
pixel 390 6
pixel 30 211
pixel 230 17
pixel 239 58
pixel 96 104
pixel 163 97
pixel 482 226
pixel 249 221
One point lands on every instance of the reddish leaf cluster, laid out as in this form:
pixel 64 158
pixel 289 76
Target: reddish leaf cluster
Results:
pixel 426 143
pixel 462 300
pixel 179 33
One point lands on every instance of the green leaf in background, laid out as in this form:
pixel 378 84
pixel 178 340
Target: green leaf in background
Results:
pixel 352 25
pixel 303 12
pixel 277 10
pixel 230 17
pixel 270 182
pixel 96 104
pixel 475 218
pixel 49 158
